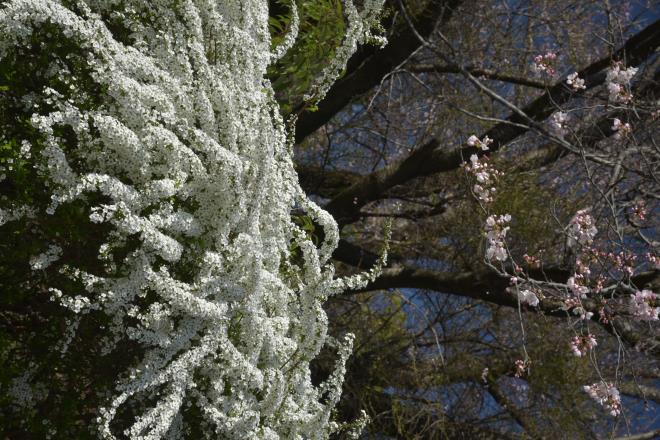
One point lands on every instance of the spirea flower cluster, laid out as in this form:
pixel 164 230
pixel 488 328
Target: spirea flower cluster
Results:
pixel 159 121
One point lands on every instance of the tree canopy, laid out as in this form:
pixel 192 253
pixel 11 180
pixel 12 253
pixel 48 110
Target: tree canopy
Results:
pixel 197 200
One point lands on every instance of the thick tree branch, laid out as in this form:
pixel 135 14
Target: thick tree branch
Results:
pixel 374 68
pixel 485 73
pixel 492 288
pixel 324 182
pixel 643 436
pixel 430 158
pixel 520 416
pixel 640 391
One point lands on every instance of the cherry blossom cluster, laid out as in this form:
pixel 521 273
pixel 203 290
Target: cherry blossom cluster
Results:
pixel 496 229
pixel 486 176
pixel 622 261
pixel 621 129
pixel 532 261
pixel 474 141
pixel 527 295
pixel 559 124
pixel 545 63
pixel 520 366
pixel 618 82
pixel 639 211
pixel 192 159
pixel 607 395
pixel 575 82
pixel 581 229
pixel 644 305
pixel 577 285
pixel 581 345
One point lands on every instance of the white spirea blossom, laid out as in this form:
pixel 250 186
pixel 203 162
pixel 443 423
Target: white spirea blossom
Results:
pixel 23 393
pixel 42 261
pixel 358 31
pixel 186 152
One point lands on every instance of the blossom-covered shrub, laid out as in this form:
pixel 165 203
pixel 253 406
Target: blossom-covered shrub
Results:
pixel 152 179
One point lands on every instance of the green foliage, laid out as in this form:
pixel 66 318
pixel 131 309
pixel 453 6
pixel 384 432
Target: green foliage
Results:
pixel 321 30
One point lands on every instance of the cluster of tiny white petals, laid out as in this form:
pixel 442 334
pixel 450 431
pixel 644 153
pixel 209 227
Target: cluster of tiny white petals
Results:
pixel 618 82
pixel 642 307
pixel 16 213
pixel 191 157
pixel 42 261
pixel 25 394
pixel 581 345
pixel 607 395
pixel 496 230
pixel 290 38
pixel 359 30
pixel 575 82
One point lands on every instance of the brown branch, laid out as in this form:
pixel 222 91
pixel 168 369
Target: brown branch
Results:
pixel 640 391
pixel 430 158
pixel 324 182
pixel 492 288
pixel 374 68
pixel 485 73
pixel 643 436
pixel 524 420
